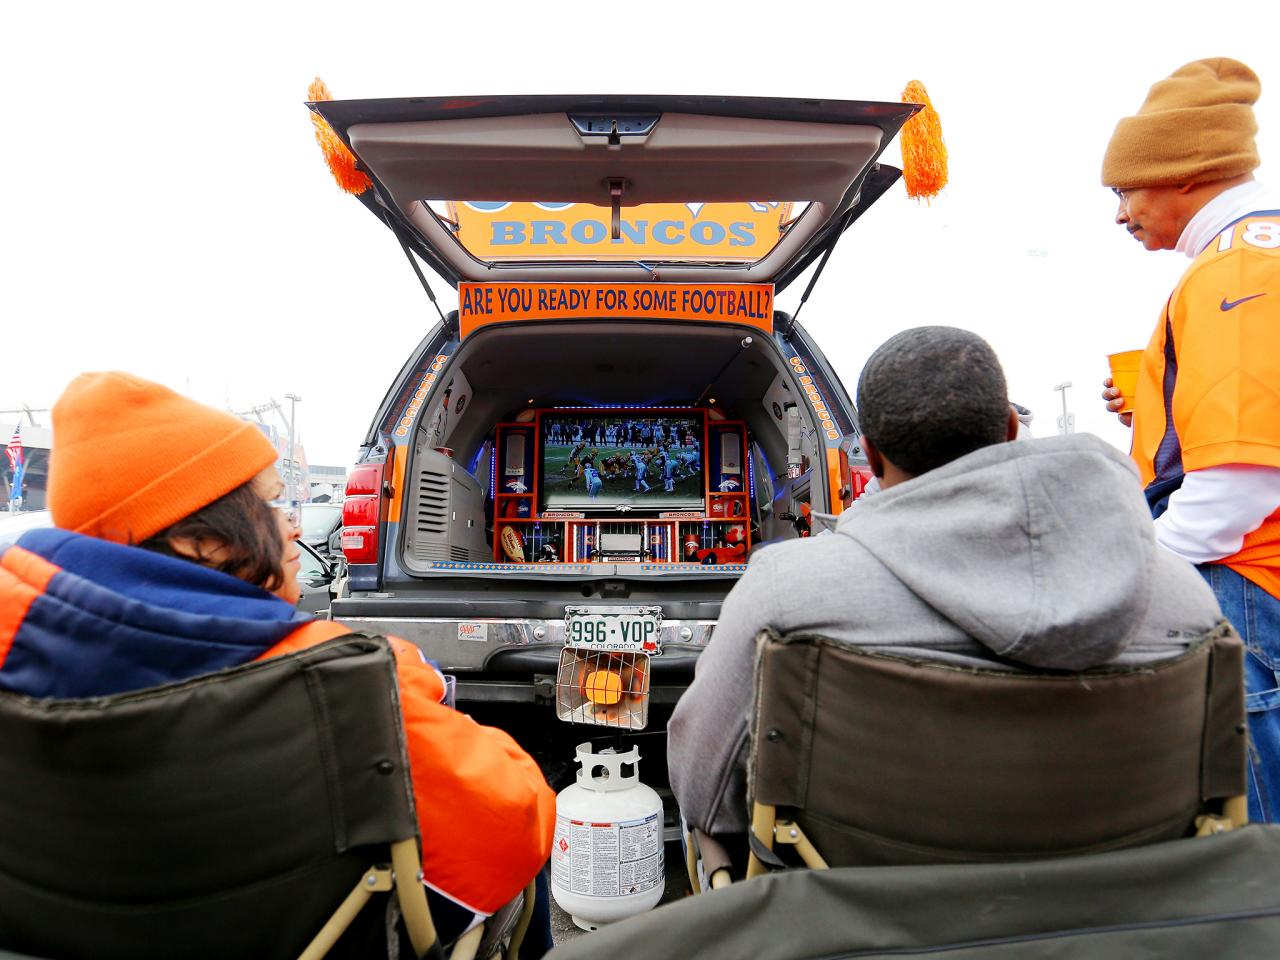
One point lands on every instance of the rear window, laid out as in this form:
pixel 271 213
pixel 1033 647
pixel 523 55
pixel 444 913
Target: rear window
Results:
pixel 503 231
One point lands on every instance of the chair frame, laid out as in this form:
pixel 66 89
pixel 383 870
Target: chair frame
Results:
pixel 405 877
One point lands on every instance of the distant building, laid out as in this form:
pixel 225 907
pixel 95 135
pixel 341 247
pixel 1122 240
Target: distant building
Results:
pixel 327 483
pixel 322 483
pixel 296 470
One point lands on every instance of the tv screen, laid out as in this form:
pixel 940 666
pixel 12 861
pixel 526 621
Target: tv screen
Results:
pixel 601 461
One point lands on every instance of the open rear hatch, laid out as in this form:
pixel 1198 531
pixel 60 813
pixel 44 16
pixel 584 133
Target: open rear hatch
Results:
pixel 718 200
pixel 618 188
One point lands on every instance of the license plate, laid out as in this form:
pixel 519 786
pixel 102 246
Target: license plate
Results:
pixel 617 629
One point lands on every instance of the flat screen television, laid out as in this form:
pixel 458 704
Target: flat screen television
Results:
pixel 598 461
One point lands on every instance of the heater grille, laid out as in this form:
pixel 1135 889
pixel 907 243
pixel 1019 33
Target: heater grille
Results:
pixel 603 688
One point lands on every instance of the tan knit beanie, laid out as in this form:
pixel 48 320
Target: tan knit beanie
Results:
pixel 1195 126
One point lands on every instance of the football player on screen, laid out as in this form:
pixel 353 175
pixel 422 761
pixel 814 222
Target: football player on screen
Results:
pixel 668 472
pixel 639 464
pixel 592 477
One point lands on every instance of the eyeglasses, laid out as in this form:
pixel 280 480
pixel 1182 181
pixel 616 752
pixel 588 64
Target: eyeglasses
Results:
pixel 289 510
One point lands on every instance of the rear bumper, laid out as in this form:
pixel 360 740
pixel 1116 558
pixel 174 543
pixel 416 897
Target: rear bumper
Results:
pixel 514 659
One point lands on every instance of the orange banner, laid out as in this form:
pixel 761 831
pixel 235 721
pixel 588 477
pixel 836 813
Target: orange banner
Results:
pixel 480 304
pixel 500 230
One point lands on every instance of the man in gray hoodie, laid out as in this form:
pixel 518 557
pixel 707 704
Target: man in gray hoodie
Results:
pixel 977 551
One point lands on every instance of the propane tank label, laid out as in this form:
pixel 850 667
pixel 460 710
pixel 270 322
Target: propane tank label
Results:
pixel 608 859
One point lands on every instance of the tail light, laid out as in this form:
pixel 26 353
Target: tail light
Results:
pixel 859 477
pixel 360 514
pixel 853 478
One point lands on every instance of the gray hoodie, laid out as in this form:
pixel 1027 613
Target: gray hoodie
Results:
pixel 1039 552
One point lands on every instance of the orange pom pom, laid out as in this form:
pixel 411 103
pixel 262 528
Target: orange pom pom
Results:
pixel 924 154
pixel 341 161
pixel 318 91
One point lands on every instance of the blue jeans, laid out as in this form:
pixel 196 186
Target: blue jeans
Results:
pixel 1256 616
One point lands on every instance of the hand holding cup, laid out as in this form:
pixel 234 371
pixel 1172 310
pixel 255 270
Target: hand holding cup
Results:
pixel 1120 387
pixel 1116 401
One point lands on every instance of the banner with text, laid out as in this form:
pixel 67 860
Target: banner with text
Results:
pixel 481 304
pixel 705 232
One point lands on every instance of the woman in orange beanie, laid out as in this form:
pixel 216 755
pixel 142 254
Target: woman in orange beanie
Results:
pixel 170 559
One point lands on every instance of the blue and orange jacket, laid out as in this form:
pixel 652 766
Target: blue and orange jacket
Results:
pixel 81 617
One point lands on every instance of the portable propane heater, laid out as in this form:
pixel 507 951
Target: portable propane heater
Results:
pixel 603 675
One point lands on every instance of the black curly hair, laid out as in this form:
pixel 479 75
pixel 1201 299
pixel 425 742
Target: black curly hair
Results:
pixel 930 395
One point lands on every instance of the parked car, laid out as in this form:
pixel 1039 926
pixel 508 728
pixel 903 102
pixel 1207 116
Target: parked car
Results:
pixel 322 526
pixel 616 415
pixel 14 525
pixel 318 576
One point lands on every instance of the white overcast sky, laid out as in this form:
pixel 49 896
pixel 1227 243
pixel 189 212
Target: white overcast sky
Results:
pixel 166 210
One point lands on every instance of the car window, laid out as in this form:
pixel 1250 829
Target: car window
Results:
pixel 318 519
pixel 311 565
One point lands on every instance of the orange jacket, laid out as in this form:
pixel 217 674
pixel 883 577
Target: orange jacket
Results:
pixel 485 811
pixel 1224 402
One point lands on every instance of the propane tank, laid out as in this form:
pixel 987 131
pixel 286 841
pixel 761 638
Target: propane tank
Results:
pixel 607 859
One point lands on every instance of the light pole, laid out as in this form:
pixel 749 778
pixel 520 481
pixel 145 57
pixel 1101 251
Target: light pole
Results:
pixel 294 400
pixel 1066 422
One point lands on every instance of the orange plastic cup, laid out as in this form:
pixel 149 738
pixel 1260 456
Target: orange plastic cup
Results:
pixel 1124 375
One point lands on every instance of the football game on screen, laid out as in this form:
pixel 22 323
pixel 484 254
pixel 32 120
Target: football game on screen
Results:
pixel 601 462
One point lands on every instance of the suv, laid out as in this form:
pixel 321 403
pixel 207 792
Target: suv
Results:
pixel 615 416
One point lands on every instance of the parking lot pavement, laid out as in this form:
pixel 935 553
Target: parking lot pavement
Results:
pixel 563 928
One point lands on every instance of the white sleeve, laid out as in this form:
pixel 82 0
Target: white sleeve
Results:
pixel 1211 512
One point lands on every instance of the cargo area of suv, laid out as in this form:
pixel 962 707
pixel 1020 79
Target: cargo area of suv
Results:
pixel 616 415
pixel 448 583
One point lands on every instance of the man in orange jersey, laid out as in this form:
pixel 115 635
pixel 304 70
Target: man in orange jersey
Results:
pixel 174 557
pixel 1206 420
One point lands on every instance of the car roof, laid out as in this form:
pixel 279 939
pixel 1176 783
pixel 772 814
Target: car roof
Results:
pixel 14 525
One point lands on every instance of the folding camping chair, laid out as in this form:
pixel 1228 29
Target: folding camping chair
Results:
pixel 860 758
pixel 248 813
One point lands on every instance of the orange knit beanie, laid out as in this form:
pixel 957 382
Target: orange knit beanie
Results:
pixel 1195 126
pixel 131 458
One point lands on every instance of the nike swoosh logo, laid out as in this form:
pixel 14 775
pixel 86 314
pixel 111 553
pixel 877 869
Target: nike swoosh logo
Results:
pixel 1226 304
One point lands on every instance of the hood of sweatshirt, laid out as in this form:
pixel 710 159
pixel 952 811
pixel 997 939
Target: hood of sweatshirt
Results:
pixel 1038 549
pixel 82 617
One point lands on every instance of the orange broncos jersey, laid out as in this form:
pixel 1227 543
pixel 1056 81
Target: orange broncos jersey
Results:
pixel 1209 386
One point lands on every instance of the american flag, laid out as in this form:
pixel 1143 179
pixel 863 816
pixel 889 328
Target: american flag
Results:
pixel 17 464
pixel 14 450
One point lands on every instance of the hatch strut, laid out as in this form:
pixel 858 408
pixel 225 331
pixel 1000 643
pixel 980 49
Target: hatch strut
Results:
pixel 422 277
pixel 826 255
